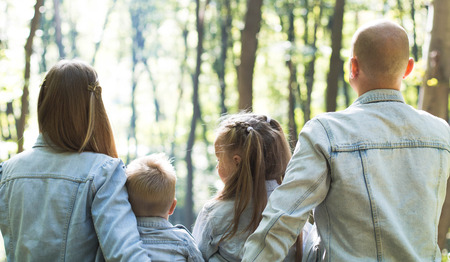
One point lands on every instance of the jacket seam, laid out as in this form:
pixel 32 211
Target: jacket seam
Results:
pixel 373 208
pixel 68 219
pixel 398 145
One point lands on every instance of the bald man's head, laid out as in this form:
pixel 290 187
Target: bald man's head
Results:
pixel 382 50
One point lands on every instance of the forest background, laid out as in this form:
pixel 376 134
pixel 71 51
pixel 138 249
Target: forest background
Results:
pixel 169 69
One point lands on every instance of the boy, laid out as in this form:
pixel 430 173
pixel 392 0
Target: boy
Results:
pixel 151 188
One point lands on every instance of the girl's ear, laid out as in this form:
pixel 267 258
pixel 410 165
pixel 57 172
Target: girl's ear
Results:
pixel 237 159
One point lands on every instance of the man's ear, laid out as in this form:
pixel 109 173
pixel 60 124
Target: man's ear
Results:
pixel 354 67
pixel 409 67
pixel 237 159
pixel 172 207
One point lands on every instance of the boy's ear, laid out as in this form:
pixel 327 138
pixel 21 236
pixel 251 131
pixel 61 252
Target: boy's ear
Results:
pixel 237 159
pixel 172 207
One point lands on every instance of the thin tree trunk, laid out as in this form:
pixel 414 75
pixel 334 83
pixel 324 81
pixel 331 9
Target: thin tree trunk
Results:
pixel 137 47
pixel 155 95
pixel 99 41
pixel 58 34
pixel 249 45
pixel 310 67
pixel 335 60
pixel 292 83
pixel 200 13
pixel 434 94
pixel 225 25
pixel 180 89
pixel 45 38
pixel 22 121
pixel 415 49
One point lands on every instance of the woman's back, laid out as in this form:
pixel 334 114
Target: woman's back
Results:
pixel 52 204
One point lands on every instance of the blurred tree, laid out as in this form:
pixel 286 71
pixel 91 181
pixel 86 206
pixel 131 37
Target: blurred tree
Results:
pixel 105 23
pixel 287 11
pixel 225 20
pixel 336 63
pixel 249 45
pixel 435 90
pixel 22 121
pixel 415 49
pixel 311 53
pixel 57 23
pixel 196 114
pixel 46 39
pixel 434 94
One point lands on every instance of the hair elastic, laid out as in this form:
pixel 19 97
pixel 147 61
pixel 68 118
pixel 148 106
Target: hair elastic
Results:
pixel 268 119
pixel 95 88
pixel 249 128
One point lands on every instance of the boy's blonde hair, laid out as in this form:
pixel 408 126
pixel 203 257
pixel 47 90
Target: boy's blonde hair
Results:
pixel 151 185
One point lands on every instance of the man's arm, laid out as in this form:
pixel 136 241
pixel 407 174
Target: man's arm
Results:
pixel 305 186
pixel 444 223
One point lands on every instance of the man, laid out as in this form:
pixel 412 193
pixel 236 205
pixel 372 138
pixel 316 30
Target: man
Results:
pixel 375 174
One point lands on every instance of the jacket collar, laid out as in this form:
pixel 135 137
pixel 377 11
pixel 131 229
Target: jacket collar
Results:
pixel 379 95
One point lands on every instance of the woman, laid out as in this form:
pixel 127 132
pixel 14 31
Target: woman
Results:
pixel 64 199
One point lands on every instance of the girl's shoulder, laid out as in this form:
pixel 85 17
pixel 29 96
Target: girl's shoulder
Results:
pixel 216 207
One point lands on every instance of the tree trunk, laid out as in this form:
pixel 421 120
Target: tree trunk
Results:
pixel 99 41
pixel 249 44
pixel 137 49
pixel 45 38
pixel 415 49
pixel 434 94
pixel 225 26
pixel 58 34
pixel 292 83
pixel 22 121
pixel 196 114
pixel 335 60
pixel 310 66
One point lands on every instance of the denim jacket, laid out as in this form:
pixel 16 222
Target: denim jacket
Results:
pixel 213 222
pixel 66 206
pixel 165 242
pixel 376 174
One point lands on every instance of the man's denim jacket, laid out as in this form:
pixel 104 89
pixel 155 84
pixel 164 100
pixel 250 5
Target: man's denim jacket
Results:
pixel 165 242
pixel 376 174
pixel 66 207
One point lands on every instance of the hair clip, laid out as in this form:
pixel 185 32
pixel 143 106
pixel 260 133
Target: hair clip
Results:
pixel 95 88
pixel 268 119
pixel 249 128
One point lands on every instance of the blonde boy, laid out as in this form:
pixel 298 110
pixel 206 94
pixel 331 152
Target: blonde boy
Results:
pixel 151 184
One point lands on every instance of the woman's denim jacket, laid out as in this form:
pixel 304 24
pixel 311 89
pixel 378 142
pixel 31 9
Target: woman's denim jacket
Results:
pixel 66 207
pixel 376 174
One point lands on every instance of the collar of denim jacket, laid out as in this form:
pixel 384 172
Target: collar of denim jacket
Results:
pixel 41 142
pixel 380 95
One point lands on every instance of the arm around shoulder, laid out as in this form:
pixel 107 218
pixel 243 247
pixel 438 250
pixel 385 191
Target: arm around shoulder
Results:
pixel 113 218
pixel 305 186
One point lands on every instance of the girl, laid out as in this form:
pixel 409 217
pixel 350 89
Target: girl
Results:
pixel 252 154
pixel 65 200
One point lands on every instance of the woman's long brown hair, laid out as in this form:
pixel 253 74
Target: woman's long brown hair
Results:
pixel 71 114
pixel 264 152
